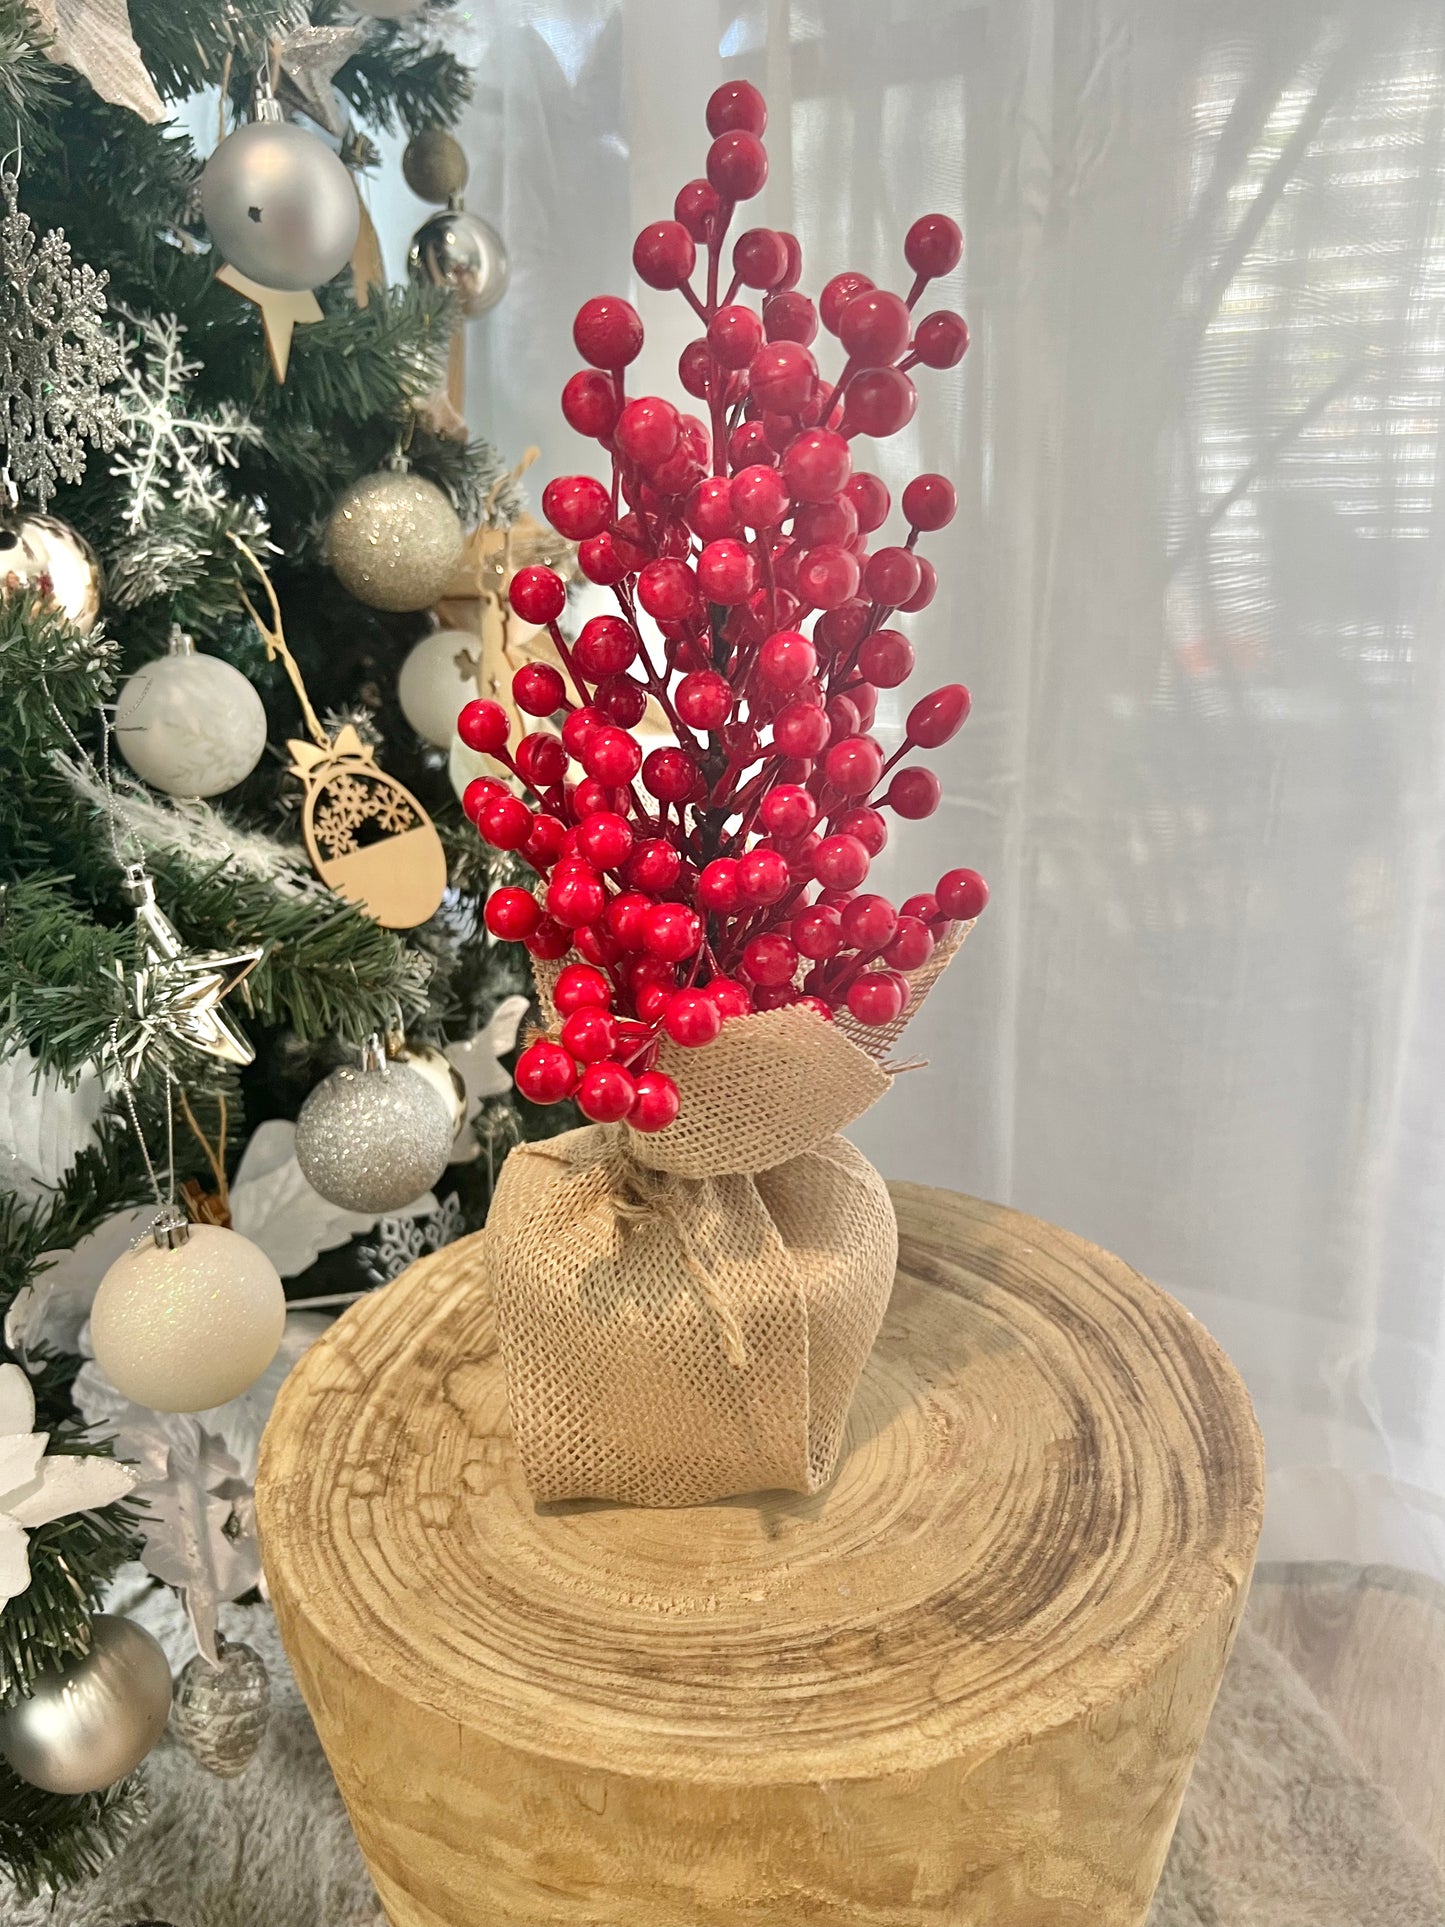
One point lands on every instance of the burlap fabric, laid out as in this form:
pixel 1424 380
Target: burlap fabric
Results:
pixel 685 1316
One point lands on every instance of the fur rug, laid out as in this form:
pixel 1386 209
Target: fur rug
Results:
pixel 1280 1828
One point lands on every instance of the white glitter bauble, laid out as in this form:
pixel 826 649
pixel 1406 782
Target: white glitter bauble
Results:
pixel 188 724
pixel 435 681
pixel 394 541
pixel 280 206
pixel 91 1723
pixel 182 1327
pixel 374 1139
pixel 220 1712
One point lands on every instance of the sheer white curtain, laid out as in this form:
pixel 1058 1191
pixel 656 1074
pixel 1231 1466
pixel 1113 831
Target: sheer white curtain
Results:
pixel 1195 586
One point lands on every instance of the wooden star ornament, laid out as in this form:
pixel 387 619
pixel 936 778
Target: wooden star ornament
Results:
pixel 282 312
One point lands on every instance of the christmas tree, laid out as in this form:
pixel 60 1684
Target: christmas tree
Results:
pixel 233 866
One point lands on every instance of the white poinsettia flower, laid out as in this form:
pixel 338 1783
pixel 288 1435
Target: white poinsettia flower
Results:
pixel 36 1487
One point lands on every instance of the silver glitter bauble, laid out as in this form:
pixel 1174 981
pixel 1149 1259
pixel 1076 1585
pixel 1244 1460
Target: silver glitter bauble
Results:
pixel 373 1139
pixel 220 1712
pixel 280 206
pixel 394 541
pixel 42 556
pixel 460 251
pixel 93 1722
pixel 189 724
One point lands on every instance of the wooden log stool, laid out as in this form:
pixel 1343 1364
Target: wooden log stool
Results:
pixel 965 1684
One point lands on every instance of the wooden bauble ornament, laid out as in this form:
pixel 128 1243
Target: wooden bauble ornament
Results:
pixel 368 838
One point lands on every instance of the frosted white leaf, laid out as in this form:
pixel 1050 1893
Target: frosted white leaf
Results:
pixel 52 1309
pixel 94 37
pixel 36 1486
pixel 477 1061
pixel 45 1123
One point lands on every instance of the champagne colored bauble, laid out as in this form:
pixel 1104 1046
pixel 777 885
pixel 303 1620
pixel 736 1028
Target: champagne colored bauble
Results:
pixel 183 1326
pixel 220 1712
pixel 374 1139
pixel 434 166
pixel 428 1062
pixel 280 206
pixel 460 251
pixel 188 724
pixel 437 679
pixel 42 556
pixel 93 1722
pixel 394 541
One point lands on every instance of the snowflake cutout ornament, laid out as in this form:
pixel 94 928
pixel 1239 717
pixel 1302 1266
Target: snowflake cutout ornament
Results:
pixel 57 356
pixel 37 1486
pixel 173 451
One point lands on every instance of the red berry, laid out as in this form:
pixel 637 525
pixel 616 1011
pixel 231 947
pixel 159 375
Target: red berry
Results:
pixel 697 371
pixel 816 465
pixel 478 793
pixel 545 842
pixel 663 254
pixel 622 701
pixel 933 245
pixel 719 888
pixel 961 895
pixel 576 896
pixel 833 521
pixel 759 496
pixel 590 1034
pixel 854 765
pixel 538 595
pixel 800 729
pixel 545 1073
pixel 818 931
pixel 605 646
pixel 938 716
pixel 550 940
pixel 874 327
pixel 770 958
pixel 602 560
pixel 611 755
pixel 914 793
pixel 910 946
pixel 816 1005
pixel 867 825
pixel 647 431
pixel 505 823
pixel 794 272
pixel 580 987
pixel 672 931
pixel 538 689
pixel 763 875
pixel 541 760
pixel 512 914
pixel 891 575
pixel 577 506
pixel 870 501
pixel 747 444
pixel 924 907
pixel 709 508
pixel 879 401
pixel 941 340
pixel 774 996
pixel 647 969
pixel 651 1001
pixel 485 727
pixel 927 587
pixel 734 336
pixel 760 257
pixel 868 923
pixel 790 317
pixel 667 590
pixel 605 840
pixel 877 997
pixel 736 106
pixel 930 501
pixel 732 998
pixel 788 811
pixel 608 331
pixel 656 1102
pixel 654 866
pixel 844 718
pixel 787 660
pixel 727 572
pixel 840 862
pixel 704 699
pixel 828 576
pixel 696 208
pixel 578 726
pixel 606 1093
pixel 590 797
pixel 691 1018
pixel 737 165
pixel 670 775
pixel 781 376
pixel 836 295
pixel 624 918
pixel 589 403
pixel 886 658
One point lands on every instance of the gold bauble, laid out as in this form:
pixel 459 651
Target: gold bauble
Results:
pixel 394 541
pixel 44 557
pixel 434 166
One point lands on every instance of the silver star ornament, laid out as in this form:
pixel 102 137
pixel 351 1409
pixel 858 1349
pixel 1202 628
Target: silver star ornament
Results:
pixel 186 989
pixel 310 58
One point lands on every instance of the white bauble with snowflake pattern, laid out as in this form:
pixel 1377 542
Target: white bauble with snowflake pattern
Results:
pixel 436 682
pixel 189 724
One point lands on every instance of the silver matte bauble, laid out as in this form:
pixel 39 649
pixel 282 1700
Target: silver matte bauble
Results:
pixel 280 206
pixel 394 540
pixel 435 683
pixel 93 1722
pixel 374 1139
pixel 42 556
pixel 188 724
pixel 220 1712
pixel 460 251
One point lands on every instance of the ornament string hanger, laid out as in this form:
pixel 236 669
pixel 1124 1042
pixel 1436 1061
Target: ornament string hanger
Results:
pixel 273 635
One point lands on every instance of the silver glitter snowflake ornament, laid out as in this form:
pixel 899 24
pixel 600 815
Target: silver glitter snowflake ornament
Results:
pixel 57 356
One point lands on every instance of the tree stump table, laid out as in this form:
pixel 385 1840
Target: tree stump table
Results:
pixel 965 1684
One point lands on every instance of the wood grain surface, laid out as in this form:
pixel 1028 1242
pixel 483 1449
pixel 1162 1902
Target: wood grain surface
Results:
pixel 964 1684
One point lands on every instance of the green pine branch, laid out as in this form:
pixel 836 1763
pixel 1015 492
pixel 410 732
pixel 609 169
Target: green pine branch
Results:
pixel 49 1841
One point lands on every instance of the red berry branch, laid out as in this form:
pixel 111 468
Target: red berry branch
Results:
pixel 724 875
